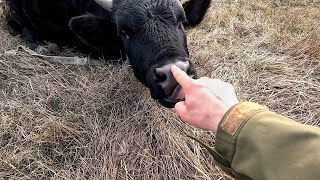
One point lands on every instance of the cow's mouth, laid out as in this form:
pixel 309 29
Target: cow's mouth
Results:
pixel 177 95
pixel 164 86
pixel 171 100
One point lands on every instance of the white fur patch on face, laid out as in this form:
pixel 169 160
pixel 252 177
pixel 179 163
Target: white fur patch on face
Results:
pixel 183 1
pixel 106 4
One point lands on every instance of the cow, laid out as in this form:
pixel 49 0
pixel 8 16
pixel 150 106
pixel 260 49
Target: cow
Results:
pixel 149 32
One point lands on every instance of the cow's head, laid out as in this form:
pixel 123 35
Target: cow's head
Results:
pixel 153 37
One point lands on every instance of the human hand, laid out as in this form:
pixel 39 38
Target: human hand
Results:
pixel 206 100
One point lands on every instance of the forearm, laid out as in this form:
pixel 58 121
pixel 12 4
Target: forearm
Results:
pixel 260 144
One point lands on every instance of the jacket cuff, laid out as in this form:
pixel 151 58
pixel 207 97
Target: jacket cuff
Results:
pixel 231 125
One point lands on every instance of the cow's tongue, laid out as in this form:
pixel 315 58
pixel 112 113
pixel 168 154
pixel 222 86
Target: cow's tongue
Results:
pixel 173 97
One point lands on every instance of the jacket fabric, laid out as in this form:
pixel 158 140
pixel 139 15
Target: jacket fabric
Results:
pixel 255 143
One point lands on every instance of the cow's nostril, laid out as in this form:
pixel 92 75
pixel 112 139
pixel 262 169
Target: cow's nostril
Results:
pixel 161 76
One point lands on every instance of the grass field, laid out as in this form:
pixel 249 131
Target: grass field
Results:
pixel 98 122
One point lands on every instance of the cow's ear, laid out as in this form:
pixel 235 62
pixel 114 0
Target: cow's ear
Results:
pixel 195 10
pixel 97 33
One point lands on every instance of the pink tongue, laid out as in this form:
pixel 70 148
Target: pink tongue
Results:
pixel 177 94
pixel 180 95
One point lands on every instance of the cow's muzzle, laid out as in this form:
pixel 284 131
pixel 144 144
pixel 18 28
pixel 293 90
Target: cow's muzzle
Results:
pixel 169 84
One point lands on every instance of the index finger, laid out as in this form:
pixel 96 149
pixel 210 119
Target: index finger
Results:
pixel 182 78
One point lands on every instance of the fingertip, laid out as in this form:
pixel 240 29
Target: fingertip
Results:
pixel 181 110
pixel 177 105
pixel 175 70
pixel 182 78
pixel 180 107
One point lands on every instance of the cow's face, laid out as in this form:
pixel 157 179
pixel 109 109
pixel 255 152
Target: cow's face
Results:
pixel 151 34
pixel 154 39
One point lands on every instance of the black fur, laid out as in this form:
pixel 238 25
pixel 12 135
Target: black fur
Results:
pixel 149 32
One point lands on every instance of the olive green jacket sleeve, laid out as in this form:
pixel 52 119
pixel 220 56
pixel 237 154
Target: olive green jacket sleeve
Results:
pixel 259 144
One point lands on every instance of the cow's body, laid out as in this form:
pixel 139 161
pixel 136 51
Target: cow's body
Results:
pixel 149 32
pixel 42 20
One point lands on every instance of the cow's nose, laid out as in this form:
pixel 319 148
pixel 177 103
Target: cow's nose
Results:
pixel 165 77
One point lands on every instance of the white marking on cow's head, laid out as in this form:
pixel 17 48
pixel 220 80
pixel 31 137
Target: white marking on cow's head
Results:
pixel 184 1
pixel 106 4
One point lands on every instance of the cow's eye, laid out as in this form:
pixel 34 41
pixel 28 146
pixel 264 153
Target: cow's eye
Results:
pixel 126 32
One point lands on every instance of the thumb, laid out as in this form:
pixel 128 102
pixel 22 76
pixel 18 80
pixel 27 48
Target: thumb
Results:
pixel 181 109
pixel 182 78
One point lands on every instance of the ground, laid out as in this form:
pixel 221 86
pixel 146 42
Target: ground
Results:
pixel 98 122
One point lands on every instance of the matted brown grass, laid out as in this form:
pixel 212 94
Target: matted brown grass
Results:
pixel 98 122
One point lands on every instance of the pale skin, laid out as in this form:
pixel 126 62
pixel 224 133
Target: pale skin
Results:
pixel 206 100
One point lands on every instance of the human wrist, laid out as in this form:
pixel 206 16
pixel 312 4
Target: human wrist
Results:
pixel 236 114
pixel 217 118
pixel 231 126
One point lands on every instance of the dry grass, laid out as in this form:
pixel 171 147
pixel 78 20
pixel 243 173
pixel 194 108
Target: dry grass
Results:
pixel 98 122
